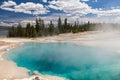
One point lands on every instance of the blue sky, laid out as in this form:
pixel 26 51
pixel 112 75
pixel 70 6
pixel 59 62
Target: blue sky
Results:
pixel 23 11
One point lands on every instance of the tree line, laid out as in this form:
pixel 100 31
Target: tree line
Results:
pixel 39 29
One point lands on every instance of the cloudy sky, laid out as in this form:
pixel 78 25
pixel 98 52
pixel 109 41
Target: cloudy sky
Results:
pixel 22 11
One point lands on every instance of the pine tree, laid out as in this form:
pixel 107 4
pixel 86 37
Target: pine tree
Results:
pixel 75 28
pixel 60 25
pixel 65 25
pixel 40 26
pixel 37 25
pixel 20 31
pixel 33 32
pixel 46 31
pixel 11 32
pixel 51 28
pixel 27 31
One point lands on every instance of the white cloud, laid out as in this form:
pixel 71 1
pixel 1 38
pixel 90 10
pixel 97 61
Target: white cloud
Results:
pixel 7 24
pixel 85 0
pixel 44 1
pixel 71 6
pixel 31 8
pixel 113 12
pixel 75 7
pixel 28 7
pixel 8 4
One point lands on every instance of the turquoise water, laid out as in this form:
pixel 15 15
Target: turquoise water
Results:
pixel 68 60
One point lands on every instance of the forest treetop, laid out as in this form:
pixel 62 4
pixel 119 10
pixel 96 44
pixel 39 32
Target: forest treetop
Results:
pixel 39 29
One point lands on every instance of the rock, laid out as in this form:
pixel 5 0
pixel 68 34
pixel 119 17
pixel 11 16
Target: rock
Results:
pixel 37 78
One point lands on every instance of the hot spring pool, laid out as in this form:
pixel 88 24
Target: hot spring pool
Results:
pixel 68 60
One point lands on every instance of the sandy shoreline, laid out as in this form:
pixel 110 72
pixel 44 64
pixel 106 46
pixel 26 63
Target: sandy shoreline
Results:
pixel 10 71
pixel 109 40
pixel 6 46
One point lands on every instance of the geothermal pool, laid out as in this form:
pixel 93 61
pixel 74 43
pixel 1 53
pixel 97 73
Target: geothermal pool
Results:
pixel 68 60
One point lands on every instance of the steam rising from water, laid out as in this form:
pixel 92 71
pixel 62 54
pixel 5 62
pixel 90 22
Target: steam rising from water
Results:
pixel 68 60
pixel 101 62
pixel 105 39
